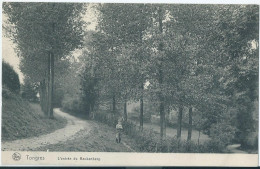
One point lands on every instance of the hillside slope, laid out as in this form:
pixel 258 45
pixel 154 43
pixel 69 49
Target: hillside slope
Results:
pixel 21 119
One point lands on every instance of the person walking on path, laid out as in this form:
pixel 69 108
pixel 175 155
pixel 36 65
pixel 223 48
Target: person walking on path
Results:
pixel 119 129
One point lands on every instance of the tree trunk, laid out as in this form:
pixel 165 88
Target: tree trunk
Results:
pixel 179 122
pixel 125 110
pixel 45 99
pixel 114 104
pixel 162 113
pixel 48 85
pixel 51 84
pixel 92 111
pixel 162 120
pixel 141 108
pixel 190 124
pixel 88 109
pixel 43 94
pixel 199 138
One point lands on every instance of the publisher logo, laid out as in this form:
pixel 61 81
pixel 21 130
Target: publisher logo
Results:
pixel 16 156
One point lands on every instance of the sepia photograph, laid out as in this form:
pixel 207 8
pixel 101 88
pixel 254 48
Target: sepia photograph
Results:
pixel 101 79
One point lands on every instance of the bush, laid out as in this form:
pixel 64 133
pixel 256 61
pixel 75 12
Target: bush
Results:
pixel 72 104
pixel 6 93
pixel 29 90
pixel 10 78
pixel 149 141
pixel 222 133
pixel 251 140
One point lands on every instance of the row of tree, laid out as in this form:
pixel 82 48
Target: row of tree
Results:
pixel 203 57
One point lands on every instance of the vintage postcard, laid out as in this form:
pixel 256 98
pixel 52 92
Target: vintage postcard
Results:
pixel 129 84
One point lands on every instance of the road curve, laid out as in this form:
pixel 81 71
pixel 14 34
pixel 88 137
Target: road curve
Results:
pixel 73 126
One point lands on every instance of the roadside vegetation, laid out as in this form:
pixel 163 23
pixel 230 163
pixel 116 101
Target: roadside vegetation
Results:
pixel 184 66
pixel 20 118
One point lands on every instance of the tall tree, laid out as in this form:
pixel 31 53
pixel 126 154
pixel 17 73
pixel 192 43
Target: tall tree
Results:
pixel 46 32
pixel 124 26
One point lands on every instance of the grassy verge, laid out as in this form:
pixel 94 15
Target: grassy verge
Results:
pixel 21 119
pixel 101 138
pixel 149 140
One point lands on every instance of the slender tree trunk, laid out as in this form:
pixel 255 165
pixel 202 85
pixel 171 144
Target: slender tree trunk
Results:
pixel 168 114
pixel 45 98
pixel 43 93
pixel 92 111
pixel 190 124
pixel 48 85
pixel 51 76
pixel 141 108
pixel 141 116
pixel 125 109
pixel 162 120
pixel 164 125
pixel 162 113
pixel 51 84
pixel 199 138
pixel 114 104
pixel 88 107
pixel 179 122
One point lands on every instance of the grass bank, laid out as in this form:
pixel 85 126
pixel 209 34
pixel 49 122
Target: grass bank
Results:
pixel 21 119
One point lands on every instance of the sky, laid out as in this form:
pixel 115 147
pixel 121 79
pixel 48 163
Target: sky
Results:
pixel 8 52
pixel 10 56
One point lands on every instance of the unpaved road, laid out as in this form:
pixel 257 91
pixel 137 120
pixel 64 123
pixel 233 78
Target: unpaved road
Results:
pixel 234 149
pixel 101 138
pixel 73 126
pixel 77 135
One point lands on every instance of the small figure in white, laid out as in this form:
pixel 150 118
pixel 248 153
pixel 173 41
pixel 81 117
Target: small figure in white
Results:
pixel 119 129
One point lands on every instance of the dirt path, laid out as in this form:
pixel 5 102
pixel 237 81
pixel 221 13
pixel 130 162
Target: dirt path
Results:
pixel 77 135
pixel 101 138
pixel 234 149
pixel 73 126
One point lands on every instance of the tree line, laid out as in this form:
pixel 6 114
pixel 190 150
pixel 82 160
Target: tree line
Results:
pixel 200 57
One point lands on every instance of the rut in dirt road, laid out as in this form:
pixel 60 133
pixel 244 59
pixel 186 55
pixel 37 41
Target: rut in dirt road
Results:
pixel 73 126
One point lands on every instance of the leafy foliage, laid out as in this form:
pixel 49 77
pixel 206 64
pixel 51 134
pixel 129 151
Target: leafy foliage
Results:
pixel 29 90
pixel 44 33
pixel 10 78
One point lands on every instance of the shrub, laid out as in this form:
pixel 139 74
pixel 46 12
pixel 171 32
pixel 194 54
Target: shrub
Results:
pixel 222 133
pixel 6 93
pixel 149 140
pixel 10 78
pixel 72 104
